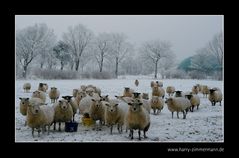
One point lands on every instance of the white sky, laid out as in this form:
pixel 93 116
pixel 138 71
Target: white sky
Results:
pixel 186 33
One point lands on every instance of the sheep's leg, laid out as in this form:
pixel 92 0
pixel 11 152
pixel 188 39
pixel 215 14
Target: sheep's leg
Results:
pixel 220 103
pixel 54 128
pixel 192 108
pixel 33 132
pixel 59 128
pixel 177 114
pixel 39 130
pixel 139 134
pixel 154 111
pixel 172 114
pixel 197 107
pixel 184 114
pixel 131 133
pixel 74 117
pixel 48 129
pixel 111 129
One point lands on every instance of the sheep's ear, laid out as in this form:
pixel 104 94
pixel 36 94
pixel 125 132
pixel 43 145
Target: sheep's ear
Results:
pixel 101 99
pixel 116 96
pixel 107 104
pixel 64 97
pixel 140 103
pixel 116 104
pixel 130 104
pixel 93 100
pixel 27 99
pixel 60 101
pixel 106 96
pixel 20 98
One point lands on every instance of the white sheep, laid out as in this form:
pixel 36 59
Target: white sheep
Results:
pixel 195 89
pixel 137 118
pixel 115 114
pixel 105 98
pixel 170 90
pixel 39 94
pixel 128 92
pixel 178 104
pixel 63 112
pixel 145 96
pixel 215 96
pixel 156 104
pixel 27 87
pixel 194 100
pixel 74 92
pixel 73 104
pixel 42 87
pixel 159 83
pixel 39 117
pixel 97 110
pixel 158 91
pixel 205 90
pixel 84 106
pixel 54 94
pixel 80 94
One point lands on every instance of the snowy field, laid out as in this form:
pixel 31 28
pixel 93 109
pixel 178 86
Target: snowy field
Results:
pixel 203 125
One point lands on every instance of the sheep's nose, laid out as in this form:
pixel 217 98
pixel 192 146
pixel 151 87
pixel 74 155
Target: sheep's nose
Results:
pixel 134 109
pixel 36 111
pixel 111 110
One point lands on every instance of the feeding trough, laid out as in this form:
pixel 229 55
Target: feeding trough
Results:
pixel 71 126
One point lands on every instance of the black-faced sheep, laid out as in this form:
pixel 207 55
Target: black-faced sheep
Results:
pixel 215 96
pixel 194 100
pixel 128 92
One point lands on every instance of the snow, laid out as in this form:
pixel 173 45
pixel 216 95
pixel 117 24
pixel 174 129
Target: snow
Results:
pixel 203 125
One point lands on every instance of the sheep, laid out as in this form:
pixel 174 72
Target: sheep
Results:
pixel 27 87
pixel 156 103
pixel 63 112
pixel 152 84
pixel 89 91
pixel 195 89
pixel 215 96
pixel 170 90
pixel 178 104
pixel 39 94
pixel 73 104
pixel 91 88
pixel 97 110
pixel 84 106
pixel 39 117
pixel 128 92
pixel 158 91
pixel 115 114
pixel 136 82
pixel 54 94
pixel 145 96
pixel 137 117
pixel 205 90
pixel 42 87
pixel 136 95
pixel 124 99
pixel 80 94
pixel 194 100
pixel 23 105
pixel 83 87
pixel 74 92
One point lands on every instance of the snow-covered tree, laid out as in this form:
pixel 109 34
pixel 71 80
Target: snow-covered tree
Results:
pixel 120 48
pixel 78 38
pixel 30 42
pixel 61 52
pixel 154 51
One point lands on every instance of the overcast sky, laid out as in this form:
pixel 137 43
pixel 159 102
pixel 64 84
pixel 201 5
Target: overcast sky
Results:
pixel 186 33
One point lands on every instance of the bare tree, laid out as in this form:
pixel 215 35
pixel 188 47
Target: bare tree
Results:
pixel 78 38
pixel 154 51
pixel 102 45
pixel 30 42
pixel 216 47
pixel 119 49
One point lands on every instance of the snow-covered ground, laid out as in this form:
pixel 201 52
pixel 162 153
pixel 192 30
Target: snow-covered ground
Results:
pixel 203 125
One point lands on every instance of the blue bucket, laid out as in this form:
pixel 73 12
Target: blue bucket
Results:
pixel 71 126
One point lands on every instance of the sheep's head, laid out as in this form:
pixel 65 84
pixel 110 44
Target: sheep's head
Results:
pixel 105 98
pixel 145 96
pixel 111 107
pixel 24 101
pixel 34 108
pixel 67 97
pixel 155 99
pixel 189 96
pixel 53 89
pixel 178 93
pixel 80 94
pixel 212 90
pixel 83 87
pixel 136 95
pixel 126 89
pixel 36 94
pixel 97 103
pixel 135 106
pixel 168 100
pixel 64 104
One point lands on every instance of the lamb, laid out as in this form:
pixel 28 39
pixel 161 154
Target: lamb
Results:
pixel 39 117
pixel 97 110
pixel 39 94
pixel 63 112
pixel 194 100
pixel 136 82
pixel 178 104
pixel 158 91
pixel 195 89
pixel 128 92
pixel 73 104
pixel 115 114
pixel 156 103
pixel 27 87
pixel 215 96
pixel 54 94
pixel 170 90
pixel 137 118
pixel 205 90
pixel 145 96
pixel 105 98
